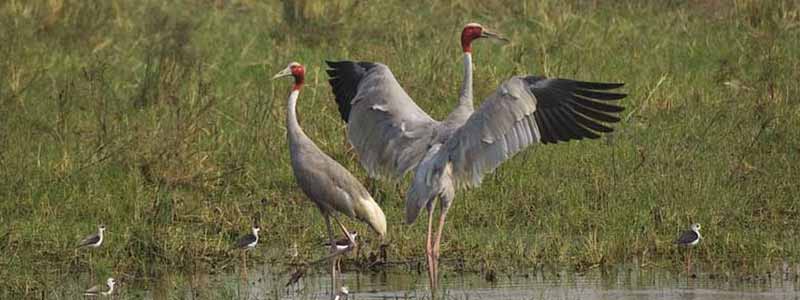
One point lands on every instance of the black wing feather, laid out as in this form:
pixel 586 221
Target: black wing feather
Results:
pixel 687 237
pixel 599 95
pixel 245 240
pixel 568 109
pixel 344 79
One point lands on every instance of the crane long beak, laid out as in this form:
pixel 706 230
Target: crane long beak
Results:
pixel 283 73
pixel 493 35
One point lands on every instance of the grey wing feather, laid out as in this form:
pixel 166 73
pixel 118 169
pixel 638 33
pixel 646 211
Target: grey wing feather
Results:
pixel 524 111
pixel 91 239
pixel 95 289
pixel 387 129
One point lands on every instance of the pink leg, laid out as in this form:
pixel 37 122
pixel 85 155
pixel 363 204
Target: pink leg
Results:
pixel 429 248
pixel 333 259
pixel 437 244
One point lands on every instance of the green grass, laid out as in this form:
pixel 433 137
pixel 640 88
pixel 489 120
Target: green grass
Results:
pixel 159 120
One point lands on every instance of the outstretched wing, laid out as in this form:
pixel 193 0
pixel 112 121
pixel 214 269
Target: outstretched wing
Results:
pixel 387 129
pixel 528 110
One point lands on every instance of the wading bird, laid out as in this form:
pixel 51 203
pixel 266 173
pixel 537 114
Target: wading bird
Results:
pixel 327 183
pixel 93 240
pixel 248 242
pixel 343 293
pixel 392 135
pixel 342 243
pixel 100 289
pixel 689 239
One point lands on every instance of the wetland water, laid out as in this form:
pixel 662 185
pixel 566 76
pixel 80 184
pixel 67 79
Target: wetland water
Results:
pixel 620 283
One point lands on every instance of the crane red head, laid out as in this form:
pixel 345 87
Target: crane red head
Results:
pixel 295 70
pixel 474 31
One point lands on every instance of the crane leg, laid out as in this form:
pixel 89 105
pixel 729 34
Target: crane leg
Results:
pixel 333 257
pixel 437 243
pixel 346 232
pixel 349 238
pixel 429 247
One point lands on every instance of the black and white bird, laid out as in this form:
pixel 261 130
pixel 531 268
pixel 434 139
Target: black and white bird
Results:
pixel 689 239
pixel 101 290
pixel 342 294
pixel 332 188
pixel 250 240
pixel 93 240
pixel 342 243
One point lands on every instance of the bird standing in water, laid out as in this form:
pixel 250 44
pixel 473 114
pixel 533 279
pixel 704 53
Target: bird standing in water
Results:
pixel 393 136
pixel 328 184
pixel 248 242
pixel 689 239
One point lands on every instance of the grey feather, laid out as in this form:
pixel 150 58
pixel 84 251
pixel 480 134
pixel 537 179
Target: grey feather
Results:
pixel 89 240
pixel 524 111
pixel 388 130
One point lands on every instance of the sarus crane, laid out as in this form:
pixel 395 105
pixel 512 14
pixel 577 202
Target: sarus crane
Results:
pixel 392 135
pixel 327 183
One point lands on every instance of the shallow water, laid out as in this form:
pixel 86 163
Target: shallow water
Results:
pixel 620 283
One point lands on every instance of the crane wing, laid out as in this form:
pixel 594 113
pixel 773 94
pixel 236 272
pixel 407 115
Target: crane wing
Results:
pixel 387 129
pixel 528 110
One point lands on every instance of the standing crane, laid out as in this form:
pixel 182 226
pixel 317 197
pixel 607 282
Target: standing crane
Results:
pixel 392 135
pixel 327 183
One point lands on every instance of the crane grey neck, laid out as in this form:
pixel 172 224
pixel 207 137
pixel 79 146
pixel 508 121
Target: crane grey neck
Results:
pixel 465 108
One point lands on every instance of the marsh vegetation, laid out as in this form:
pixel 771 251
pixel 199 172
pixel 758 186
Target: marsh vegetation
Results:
pixel 159 120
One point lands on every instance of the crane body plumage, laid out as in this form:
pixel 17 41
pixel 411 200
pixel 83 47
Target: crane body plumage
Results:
pixel 323 180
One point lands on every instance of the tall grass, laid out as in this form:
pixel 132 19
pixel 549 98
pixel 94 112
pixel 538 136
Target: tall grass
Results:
pixel 158 119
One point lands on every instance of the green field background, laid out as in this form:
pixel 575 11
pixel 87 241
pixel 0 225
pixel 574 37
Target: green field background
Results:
pixel 158 119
